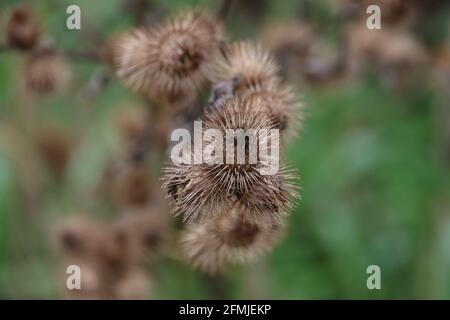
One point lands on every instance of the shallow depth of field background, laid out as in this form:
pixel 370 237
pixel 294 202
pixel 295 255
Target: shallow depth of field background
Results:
pixel 374 166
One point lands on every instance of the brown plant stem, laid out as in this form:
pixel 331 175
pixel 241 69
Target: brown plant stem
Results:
pixel 87 56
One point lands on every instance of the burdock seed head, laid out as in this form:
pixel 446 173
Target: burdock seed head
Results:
pixel 22 28
pixel 200 191
pixel 229 239
pixel 55 147
pixel 46 72
pixel 278 102
pixel 143 230
pixel 134 187
pixel 169 61
pixel 81 239
pixel 250 62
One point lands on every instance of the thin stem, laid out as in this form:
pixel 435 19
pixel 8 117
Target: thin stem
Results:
pixel 89 56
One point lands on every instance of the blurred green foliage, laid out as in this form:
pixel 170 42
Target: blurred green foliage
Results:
pixel 375 188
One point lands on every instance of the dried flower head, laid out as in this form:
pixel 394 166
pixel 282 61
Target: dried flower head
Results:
pixel 249 62
pixel 229 239
pixel 201 190
pixel 22 28
pixel 144 231
pixel 100 252
pixel 46 72
pixel 81 239
pixel 395 54
pixel 401 50
pixel 133 186
pixel 280 105
pixel 289 44
pixel 55 147
pixel 169 61
pixel 296 38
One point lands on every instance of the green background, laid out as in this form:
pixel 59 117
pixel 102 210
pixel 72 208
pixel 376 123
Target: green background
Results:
pixel 375 183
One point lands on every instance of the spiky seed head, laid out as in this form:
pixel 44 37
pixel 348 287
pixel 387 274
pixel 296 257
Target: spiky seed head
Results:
pixel 144 231
pixel 250 62
pixel 86 240
pixel 110 49
pixel 392 50
pixel 133 186
pixel 283 110
pixel 229 239
pixel 106 256
pixel 55 146
pixel 46 72
pixel 201 190
pixel 22 28
pixel 169 61
pixel 401 50
pixel 290 44
pixel 293 39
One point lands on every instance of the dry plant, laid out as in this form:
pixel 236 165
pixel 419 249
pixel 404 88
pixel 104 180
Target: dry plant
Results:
pixel 230 212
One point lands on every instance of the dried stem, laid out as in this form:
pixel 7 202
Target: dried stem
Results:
pixel 89 56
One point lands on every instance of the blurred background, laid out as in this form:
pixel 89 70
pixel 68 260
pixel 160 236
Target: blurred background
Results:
pixel 373 154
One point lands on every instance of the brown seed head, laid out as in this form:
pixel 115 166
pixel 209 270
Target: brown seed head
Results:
pixel 22 28
pixel 55 146
pixel 144 231
pixel 134 186
pixel 108 262
pixel 86 240
pixel 201 190
pixel 229 239
pixel 290 44
pixel 280 105
pixel 251 63
pixel 169 61
pixel 46 72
